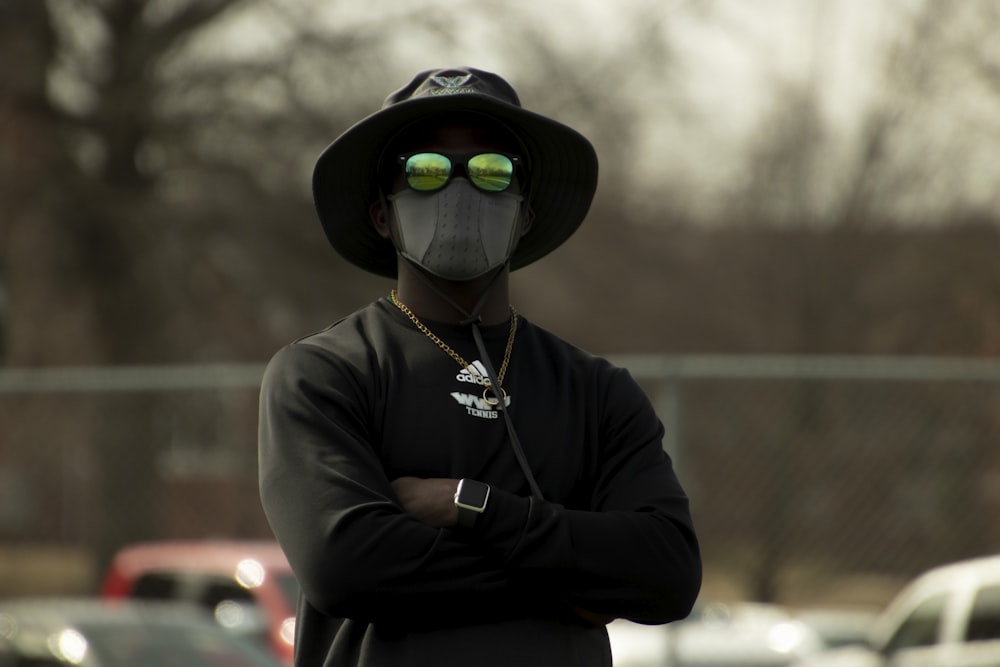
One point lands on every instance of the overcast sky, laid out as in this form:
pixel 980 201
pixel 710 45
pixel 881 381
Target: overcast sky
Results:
pixel 732 58
pixel 732 55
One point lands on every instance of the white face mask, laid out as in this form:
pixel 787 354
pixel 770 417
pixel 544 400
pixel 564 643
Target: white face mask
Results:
pixel 458 232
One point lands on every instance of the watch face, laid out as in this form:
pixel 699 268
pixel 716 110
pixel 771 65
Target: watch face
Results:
pixel 473 494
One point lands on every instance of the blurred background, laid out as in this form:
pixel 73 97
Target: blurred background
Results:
pixel 794 248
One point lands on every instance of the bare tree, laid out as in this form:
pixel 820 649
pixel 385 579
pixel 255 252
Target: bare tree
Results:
pixel 150 181
pixel 156 169
pixel 909 161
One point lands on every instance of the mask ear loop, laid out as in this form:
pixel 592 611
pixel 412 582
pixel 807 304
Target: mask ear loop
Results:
pixel 474 319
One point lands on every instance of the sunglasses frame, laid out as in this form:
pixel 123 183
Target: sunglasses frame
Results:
pixel 455 161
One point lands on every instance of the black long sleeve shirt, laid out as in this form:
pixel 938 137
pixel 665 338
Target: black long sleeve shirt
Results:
pixel 370 399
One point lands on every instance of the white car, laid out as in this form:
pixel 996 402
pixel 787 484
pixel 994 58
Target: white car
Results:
pixel 947 617
pixel 742 634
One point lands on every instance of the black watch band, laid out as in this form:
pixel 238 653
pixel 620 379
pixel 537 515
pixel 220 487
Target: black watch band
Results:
pixel 470 500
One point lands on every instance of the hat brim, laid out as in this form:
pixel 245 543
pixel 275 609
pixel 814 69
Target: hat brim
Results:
pixel 563 178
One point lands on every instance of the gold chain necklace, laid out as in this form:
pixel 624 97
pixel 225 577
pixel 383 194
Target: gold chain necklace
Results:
pixel 492 400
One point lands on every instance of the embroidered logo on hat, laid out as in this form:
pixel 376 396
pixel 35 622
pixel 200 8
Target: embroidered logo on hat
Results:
pixel 451 85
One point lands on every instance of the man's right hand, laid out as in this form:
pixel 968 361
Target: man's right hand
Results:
pixel 430 501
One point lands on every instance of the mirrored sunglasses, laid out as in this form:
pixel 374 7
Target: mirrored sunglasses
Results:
pixel 426 172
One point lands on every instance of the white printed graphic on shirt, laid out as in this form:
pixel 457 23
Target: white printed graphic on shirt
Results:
pixel 475 404
pixel 474 373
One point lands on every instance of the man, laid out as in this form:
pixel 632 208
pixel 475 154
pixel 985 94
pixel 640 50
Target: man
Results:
pixel 452 484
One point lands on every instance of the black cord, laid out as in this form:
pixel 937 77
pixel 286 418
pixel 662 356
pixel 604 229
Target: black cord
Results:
pixel 515 442
pixel 473 319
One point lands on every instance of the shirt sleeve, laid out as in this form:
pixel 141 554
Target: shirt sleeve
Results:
pixel 354 550
pixel 357 554
pixel 634 553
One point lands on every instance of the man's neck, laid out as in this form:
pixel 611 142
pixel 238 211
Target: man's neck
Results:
pixel 426 303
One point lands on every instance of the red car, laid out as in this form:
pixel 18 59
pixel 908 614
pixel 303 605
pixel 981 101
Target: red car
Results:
pixel 247 586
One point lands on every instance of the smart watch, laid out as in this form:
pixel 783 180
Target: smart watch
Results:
pixel 470 499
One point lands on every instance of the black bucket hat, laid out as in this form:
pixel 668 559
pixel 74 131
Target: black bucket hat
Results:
pixel 563 163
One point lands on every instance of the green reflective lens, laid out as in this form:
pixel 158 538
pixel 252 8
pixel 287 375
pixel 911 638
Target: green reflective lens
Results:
pixel 427 171
pixel 490 171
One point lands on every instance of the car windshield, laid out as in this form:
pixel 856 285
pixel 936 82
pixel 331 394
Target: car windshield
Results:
pixel 163 645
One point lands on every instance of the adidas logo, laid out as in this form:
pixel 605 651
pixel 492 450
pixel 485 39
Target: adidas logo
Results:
pixel 474 373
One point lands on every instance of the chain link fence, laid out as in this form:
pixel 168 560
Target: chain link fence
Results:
pixel 812 480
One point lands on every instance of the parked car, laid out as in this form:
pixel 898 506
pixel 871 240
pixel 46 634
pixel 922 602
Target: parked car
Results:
pixel 92 632
pixel 947 617
pixel 247 586
pixel 839 626
pixel 741 634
